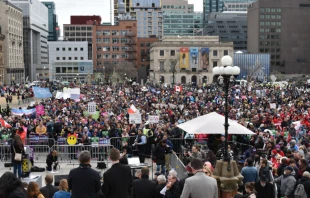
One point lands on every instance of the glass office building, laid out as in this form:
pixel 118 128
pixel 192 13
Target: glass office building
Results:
pixel 182 24
pixel 53 29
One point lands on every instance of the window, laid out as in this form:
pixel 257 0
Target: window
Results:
pixel 57 58
pixel 162 66
pixel 214 63
pixel 262 16
pixel 115 40
pixel 273 16
pixel 69 48
pixel 69 58
pixel 214 52
pixel 262 30
pixel 273 10
pixel 81 49
pixel 57 69
pixel 63 49
pixel 278 16
pixel 75 49
pixel 279 10
pixel 75 58
pixel 106 40
pixel 262 9
pixel 142 44
pixel 267 16
pixel 161 52
pixel 261 23
pixel 225 52
pixel 115 32
pixel 172 53
pixel 57 49
pixel 106 32
pixel 278 30
pixel 88 28
pixel 63 58
pixel 267 9
pixel 82 58
pixel 106 48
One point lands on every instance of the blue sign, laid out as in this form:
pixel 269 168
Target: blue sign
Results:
pixel 194 58
pixel 28 112
pixel 42 93
pixel 85 67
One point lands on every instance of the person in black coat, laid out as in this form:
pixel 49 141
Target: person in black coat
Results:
pixel 161 183
pixel 159 153
pixel 264 189
pixel 17 147
pixel 173 187
pixel 49 188
pixel 51 159
pixel 305 180
pixel 144 187
pixel 11 186
pixel 117 181
pixel 182 181
pixel 84 182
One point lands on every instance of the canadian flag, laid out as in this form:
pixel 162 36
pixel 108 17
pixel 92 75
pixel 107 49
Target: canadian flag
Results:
pixel 132 109
pixel 5 124
pixel 178 88
pixel 120 93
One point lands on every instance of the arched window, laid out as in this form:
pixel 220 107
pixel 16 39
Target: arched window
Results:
pixel 183 80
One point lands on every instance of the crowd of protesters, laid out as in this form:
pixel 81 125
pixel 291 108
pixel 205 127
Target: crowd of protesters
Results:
pixel 278 115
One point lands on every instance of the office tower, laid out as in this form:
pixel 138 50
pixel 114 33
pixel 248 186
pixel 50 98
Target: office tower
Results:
pixel 281 28
pixel 53 29
pixel 180 19
pixel 230 26
pixel 11 44
pixel 35 31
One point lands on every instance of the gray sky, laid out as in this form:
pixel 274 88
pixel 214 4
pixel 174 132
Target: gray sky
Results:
pixel 66 8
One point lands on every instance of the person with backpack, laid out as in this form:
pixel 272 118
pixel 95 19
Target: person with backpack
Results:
pixel 287 181
pixel 303 188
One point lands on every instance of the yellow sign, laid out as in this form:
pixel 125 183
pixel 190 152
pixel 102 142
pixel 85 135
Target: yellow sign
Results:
pixel 71 140
pixel 184 57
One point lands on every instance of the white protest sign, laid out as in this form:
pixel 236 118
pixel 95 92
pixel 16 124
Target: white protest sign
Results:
pixel 91 108
pixel 58 95
pixel 72 91
pixel 153 119
pixel 273 106
pixel 127 90
pixel 135 118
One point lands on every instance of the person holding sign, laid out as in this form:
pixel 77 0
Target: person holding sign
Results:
pixel 141 142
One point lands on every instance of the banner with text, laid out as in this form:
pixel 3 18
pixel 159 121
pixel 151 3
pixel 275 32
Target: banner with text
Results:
pixel 42 93
pixel 135 118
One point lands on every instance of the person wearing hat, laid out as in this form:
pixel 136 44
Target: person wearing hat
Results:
pixel 287 182
pixel 264 189
pixel 305 180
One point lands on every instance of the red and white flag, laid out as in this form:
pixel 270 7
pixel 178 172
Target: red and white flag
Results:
pixel 178 88
pixel 132 109
pixel 120 93
pixel 5 124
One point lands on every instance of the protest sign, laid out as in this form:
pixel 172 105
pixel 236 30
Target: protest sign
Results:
pixel 153 119
pixel 135 118
pixel 273 106
pixel 42 93
pixel 40 110
pixel 91 108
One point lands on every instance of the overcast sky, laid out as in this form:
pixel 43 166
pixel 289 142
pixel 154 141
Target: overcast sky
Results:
pixel 66 8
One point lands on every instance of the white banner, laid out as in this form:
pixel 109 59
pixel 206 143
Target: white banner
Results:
pixel 153 119
pixel 135 118
pixel 273 106
pixel 91 108
pixel 72 91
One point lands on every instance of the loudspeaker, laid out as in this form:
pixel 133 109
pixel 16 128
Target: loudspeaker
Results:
pixel 58 178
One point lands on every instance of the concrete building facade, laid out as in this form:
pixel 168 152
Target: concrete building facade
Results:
pixel 115 46
pixel 53 29
pixel 230 26
pixel 190 59
pixel 2 37
pixel 11 23
pixel 236 6
pixel 35 30
pixel 281 28
pixel 69 61
pixel 147 13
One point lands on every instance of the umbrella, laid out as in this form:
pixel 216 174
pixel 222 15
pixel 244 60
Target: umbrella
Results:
pixel 212 123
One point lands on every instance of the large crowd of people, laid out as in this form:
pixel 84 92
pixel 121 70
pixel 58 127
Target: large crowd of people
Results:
pixel 278 115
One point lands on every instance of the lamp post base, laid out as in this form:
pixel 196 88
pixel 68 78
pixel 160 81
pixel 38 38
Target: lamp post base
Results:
pixel 228 181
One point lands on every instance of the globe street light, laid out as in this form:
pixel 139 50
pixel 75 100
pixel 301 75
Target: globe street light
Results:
pixel 225 72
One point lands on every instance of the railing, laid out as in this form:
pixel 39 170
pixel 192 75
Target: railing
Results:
pixel 275 187
pixel 178 166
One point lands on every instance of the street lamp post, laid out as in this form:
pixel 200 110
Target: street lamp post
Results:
pixel 226 72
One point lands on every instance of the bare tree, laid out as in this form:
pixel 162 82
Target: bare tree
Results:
pixel 127 68
pixel 172 65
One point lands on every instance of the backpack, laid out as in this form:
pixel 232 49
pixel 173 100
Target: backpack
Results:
pixel 300 191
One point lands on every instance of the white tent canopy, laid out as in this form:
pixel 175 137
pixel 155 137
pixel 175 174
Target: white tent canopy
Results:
pixel 213 123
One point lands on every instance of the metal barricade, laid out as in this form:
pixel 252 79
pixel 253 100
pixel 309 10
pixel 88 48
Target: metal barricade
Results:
pixel 178 166
pixel 39 140
pixel 70 153
pixel 117 142
pixel 5 153
pixel 39 152
pixel 178 143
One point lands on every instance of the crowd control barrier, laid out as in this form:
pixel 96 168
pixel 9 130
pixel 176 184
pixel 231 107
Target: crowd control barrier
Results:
pixel 178 166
